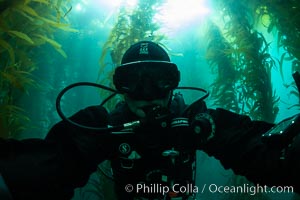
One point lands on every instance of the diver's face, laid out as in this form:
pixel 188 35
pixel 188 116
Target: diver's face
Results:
pixel 138 106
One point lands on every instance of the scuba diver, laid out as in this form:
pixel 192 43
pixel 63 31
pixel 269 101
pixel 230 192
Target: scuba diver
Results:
pixel 160 151
pixel 149 139
pixel 155 149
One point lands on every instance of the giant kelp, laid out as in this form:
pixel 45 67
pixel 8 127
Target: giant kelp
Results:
pixel 132 25
pixel 25 26
pixel 285 17
pixel 284 20
pixel 251 60
pixel 223 92
pixel 241 55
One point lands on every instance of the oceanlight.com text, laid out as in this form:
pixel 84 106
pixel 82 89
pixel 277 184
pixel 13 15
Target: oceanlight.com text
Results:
pixel 247 188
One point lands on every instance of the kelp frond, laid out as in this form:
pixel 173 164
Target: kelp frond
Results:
pixel 12 120
pixel 16 78
pixel 21 35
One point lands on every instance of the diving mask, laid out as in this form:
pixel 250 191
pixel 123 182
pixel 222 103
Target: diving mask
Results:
pixel 146 80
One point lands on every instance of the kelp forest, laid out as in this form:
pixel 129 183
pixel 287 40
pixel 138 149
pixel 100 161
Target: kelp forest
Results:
pixel 25 28
pixel 251 48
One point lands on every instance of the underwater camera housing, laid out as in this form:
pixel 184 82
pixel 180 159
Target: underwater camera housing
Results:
pixel 283 133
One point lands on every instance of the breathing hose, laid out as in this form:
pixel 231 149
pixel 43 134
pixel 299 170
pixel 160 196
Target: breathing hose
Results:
pixel 114 92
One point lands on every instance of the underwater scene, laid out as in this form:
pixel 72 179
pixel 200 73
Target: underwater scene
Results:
pixel 244 53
